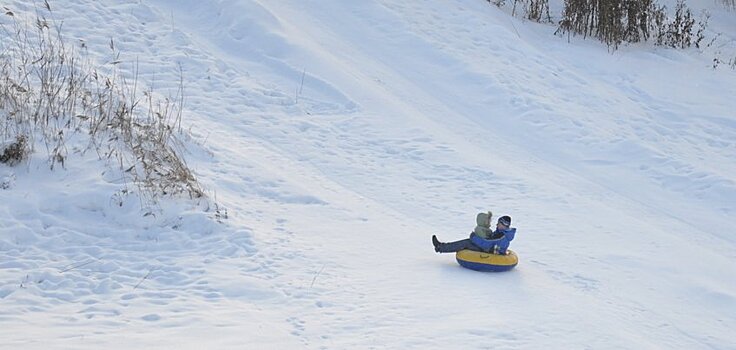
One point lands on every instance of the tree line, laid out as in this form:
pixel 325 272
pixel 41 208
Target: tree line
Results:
pixel 618 21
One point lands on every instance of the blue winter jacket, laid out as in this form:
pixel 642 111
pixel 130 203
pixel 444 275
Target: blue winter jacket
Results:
pixel 499 244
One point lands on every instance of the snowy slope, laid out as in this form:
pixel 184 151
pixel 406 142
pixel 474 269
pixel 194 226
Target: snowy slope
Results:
pixel 340 135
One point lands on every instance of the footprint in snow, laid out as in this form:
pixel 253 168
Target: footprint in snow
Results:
pixel 151 317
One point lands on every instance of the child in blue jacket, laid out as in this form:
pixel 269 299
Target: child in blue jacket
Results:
pixel 482 239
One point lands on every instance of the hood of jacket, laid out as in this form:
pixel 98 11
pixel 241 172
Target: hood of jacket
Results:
pixel 484 219
pixel 483 222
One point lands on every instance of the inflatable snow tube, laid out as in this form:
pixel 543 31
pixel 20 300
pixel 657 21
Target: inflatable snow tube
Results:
pixel 481 261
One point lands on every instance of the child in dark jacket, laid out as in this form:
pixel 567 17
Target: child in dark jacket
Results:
pixel 482 239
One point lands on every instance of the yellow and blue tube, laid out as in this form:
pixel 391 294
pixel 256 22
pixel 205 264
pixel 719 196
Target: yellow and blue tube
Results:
pixel 481 261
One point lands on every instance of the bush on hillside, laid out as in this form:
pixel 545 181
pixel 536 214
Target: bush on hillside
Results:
pixel 618 21
pixel 678 33
pixel 49 94
pixel 535 10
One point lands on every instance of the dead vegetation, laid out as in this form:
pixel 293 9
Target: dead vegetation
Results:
pixel 51 93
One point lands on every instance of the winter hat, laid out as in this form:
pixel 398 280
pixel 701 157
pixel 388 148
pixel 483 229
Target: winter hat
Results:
pixel 505 220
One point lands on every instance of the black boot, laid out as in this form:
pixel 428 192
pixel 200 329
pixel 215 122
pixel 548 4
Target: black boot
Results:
pixel 435 243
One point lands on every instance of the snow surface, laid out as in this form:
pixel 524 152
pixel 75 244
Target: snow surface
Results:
pixel 339 135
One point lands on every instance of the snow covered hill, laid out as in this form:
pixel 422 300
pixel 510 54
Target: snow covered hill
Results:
pixel 339 136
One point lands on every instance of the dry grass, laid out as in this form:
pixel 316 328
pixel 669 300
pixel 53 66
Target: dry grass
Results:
pixel 50 91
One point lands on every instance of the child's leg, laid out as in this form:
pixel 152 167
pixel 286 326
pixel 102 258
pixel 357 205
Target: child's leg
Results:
pixel 451 247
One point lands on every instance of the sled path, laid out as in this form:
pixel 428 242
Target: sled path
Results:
pixel 340 136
